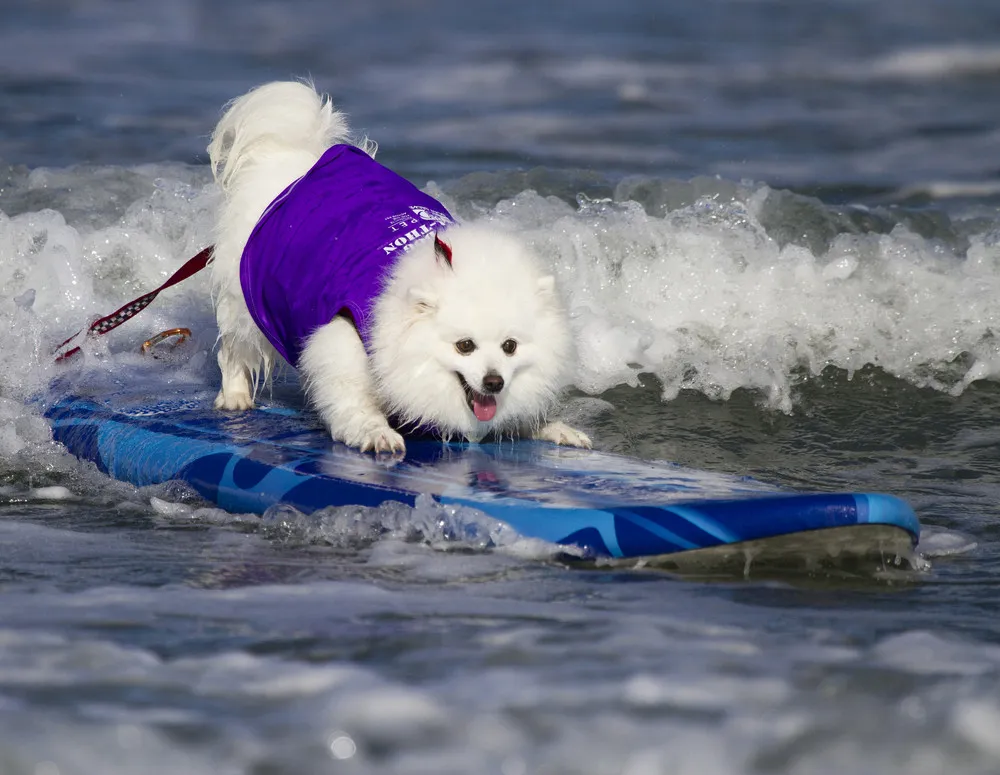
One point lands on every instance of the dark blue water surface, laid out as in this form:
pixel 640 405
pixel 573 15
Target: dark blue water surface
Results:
pixel 833 93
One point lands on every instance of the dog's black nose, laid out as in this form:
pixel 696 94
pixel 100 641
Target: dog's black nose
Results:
pixel 492 382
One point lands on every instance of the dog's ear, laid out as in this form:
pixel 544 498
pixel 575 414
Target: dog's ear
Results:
pixel 424 302
pixel 442 250
pixel 546 285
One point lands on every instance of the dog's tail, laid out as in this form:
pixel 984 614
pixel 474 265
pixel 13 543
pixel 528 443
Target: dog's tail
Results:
pixel 284 117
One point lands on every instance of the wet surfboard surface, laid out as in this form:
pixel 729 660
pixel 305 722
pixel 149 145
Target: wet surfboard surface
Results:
pixel 606 505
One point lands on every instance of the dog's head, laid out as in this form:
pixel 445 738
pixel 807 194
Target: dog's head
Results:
pixel 469 336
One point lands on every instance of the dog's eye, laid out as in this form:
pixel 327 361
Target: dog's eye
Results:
pixel 509 346
pixel 465 346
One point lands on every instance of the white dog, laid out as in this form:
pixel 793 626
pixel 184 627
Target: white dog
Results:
pixel 389 310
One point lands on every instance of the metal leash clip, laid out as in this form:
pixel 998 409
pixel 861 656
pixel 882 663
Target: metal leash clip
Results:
pixel 183 335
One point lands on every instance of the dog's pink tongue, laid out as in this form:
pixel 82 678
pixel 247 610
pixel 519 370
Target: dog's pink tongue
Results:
pixel 484 407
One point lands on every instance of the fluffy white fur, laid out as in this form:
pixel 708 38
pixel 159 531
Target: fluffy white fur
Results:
pixel 493 294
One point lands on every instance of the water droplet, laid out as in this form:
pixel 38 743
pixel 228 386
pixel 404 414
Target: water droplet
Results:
pixel 341 746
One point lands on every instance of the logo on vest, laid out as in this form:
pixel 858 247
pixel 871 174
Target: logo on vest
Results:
pixel 412 226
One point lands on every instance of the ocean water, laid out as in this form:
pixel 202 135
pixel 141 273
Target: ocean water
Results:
pixel 776 227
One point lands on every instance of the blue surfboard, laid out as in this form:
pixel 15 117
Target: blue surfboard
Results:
pixel 607 506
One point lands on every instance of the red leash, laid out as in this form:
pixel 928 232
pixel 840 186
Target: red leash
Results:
pixel 133 308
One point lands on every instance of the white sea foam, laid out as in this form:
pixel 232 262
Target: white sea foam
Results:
pixel 482 681
pixel 393 526
pixel 943 61
pixel 977 721
pixel 709 285
pixel 927 653
pixel 706 297
pixel 939 542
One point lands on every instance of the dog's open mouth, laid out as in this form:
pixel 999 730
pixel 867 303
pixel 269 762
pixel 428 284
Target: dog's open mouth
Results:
pixel 483 406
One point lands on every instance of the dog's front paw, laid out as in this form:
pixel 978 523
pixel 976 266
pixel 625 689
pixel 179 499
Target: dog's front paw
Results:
pixel 376 436
pixel 234 400
pixel 561 433
pixel 384 442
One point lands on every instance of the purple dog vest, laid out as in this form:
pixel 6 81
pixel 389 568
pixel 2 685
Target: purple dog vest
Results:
pixel 325 244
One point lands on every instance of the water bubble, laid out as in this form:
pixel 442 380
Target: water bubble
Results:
pixel 342 746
